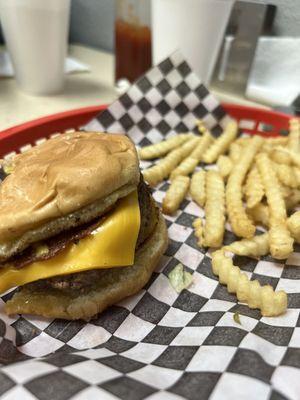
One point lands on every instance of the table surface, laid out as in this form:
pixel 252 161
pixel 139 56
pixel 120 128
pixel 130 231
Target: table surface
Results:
pixel 82 89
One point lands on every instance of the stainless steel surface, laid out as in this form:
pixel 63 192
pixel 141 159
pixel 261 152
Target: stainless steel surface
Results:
pixel 296 105
pixel 248 21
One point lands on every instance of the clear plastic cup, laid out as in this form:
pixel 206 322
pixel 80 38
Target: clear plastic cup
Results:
pixel 36 34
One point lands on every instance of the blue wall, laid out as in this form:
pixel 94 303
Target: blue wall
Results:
pixel 92 23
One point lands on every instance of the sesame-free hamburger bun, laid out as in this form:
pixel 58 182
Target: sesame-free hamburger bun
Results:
pixel 79 229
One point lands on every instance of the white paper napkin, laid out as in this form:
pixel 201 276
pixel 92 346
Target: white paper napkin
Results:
pixel 275 77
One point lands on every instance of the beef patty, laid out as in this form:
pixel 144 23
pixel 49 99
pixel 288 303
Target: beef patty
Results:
pixel 84 280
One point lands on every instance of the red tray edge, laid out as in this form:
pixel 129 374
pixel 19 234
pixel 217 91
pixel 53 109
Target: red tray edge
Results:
pixel 28 132
pixel 83 112
pixel 89 112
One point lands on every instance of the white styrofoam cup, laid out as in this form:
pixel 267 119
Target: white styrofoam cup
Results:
pixel 196 27
pixel 36 33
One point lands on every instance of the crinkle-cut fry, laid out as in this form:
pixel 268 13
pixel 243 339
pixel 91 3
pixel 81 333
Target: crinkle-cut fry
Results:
pixel 222 143
pixel 197 188
pixel 205 141
pixel 202 128
pixel 255 247
pixel 267 148
pixel 259 214
pixel 198 226
pixel 277 141
pixel 188 165
pixel 240 222
pixel 284 155
pixel 165 166
pixel 214 210
pixel 271 185
pixel 162 148
pixel 296 172
pixel 235 152
pixel 243 140
pixel 295 159
pixel 175 194
pixel 292 200
pixel 286 175
pixel 269 145
pixel 285 191
pixel 252 293
pixel 294 225
pixel 281 242
pixel 254 190
pixel 281 155
pixel 224 165
pixel 294 135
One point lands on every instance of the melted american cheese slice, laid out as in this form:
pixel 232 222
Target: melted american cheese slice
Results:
pixel 111 245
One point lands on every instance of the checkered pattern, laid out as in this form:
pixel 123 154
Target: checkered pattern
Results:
pixel 168 98
pixel 160 345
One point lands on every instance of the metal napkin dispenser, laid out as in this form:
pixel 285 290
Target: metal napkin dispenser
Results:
pixel 248 21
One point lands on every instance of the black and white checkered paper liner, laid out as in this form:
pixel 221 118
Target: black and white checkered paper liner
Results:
pixel 159 345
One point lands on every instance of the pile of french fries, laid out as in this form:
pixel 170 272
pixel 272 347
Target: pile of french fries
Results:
pixel 247 181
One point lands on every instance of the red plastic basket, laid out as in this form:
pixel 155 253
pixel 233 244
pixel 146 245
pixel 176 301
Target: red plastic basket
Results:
pixel 251 120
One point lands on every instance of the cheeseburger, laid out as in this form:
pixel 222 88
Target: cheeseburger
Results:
pixel 79 229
